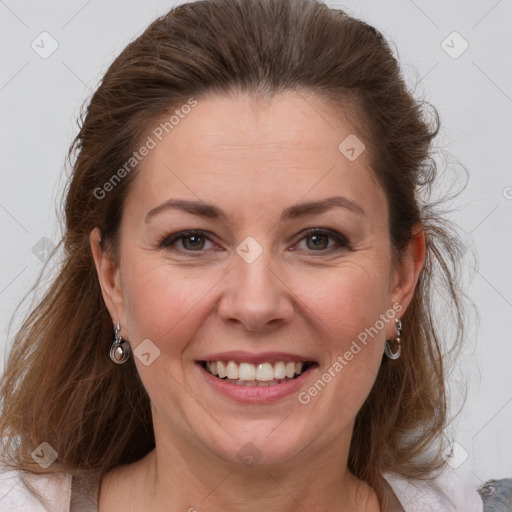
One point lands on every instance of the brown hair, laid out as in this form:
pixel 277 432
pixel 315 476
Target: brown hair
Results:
pixel 60 386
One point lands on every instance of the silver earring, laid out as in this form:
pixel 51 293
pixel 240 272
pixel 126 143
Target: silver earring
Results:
pixel 120 349
pixel 389 353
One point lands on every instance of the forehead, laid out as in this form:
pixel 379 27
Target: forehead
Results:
pixel 241 125
pixel 244 151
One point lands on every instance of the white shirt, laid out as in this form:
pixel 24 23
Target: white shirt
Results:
pixel 451 491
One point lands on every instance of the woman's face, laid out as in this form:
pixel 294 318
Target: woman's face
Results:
pixel 253 284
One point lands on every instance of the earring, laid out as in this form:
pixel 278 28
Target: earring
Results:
pixel 389 353
pixel 120 349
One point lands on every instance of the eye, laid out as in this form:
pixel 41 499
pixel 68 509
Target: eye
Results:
pixel 191 241
pixel 195 241
pixel 320 241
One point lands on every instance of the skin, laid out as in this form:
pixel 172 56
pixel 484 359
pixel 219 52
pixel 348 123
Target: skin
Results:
pixel 252 159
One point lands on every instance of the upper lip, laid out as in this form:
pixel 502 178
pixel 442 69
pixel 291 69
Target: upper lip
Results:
pixel 255 358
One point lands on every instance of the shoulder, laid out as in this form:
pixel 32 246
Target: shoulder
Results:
pixel 448 490
pixel 16 496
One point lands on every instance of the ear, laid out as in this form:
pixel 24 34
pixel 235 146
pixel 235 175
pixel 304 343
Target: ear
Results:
pixel 108 276
pixel 408 269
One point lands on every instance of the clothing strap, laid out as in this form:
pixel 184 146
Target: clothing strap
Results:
pixel 84 493
pixel 391 501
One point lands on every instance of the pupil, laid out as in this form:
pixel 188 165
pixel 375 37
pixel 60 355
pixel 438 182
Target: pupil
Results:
pixel 191 237
pixel 316 244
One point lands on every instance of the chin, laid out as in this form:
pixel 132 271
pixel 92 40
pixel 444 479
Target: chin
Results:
pixel 258 449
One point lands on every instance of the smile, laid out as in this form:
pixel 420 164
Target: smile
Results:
pixel 259 374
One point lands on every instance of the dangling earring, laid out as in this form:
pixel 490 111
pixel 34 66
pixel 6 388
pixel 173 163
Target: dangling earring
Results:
pixel 120 349
pixel 389 353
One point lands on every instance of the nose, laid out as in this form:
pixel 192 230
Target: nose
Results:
pixel 256 296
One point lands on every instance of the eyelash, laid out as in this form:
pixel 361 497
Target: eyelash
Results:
pixel 168 241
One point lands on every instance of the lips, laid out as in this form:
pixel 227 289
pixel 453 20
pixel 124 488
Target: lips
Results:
pixel 256 392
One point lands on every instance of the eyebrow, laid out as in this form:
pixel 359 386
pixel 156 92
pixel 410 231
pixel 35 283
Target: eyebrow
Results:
pixel 209 211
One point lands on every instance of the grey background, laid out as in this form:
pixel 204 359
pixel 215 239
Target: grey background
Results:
pixel 40 99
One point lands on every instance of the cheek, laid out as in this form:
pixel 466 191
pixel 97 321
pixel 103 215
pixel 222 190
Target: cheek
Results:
pixel 346 300
pixel 161 303
pixel 349 308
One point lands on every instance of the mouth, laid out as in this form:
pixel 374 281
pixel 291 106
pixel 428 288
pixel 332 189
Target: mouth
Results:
pixel 262 374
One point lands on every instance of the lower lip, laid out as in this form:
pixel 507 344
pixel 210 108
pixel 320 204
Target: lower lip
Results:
pixel 256 394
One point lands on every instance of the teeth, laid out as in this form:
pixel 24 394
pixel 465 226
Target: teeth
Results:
pixel 232 370
pixel 247 371
pixel 212 367
pixel 262 372
pixel 221 369
pixel 280 370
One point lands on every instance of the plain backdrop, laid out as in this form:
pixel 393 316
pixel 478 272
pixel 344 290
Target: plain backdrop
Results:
pixel 454 54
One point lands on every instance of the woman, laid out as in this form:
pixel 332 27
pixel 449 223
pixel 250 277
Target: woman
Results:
pixel 243 319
